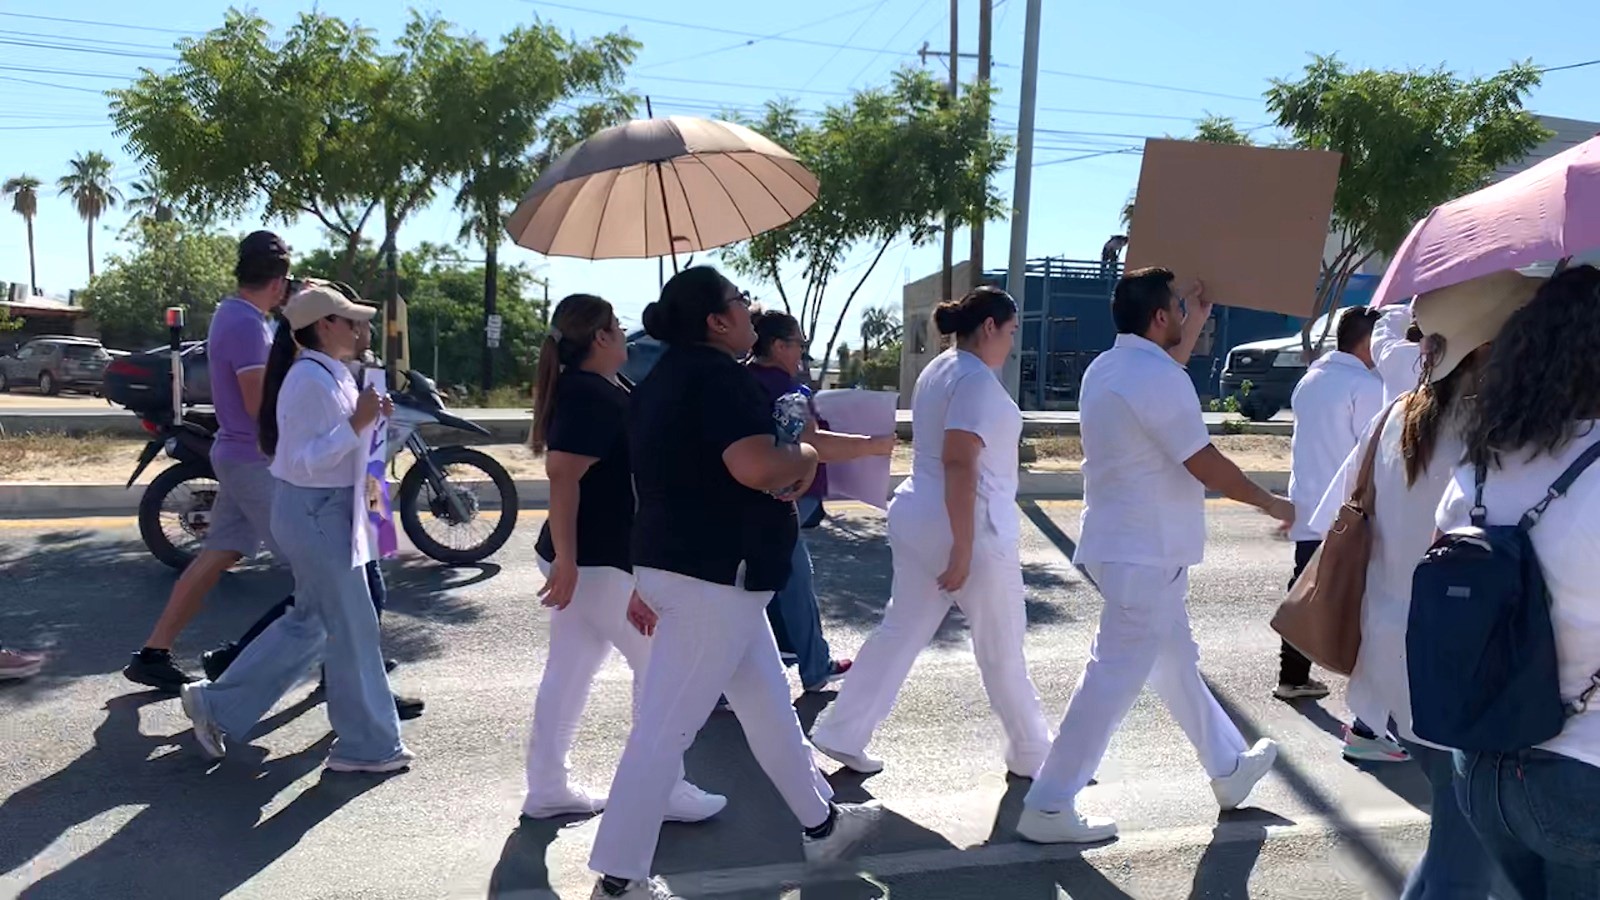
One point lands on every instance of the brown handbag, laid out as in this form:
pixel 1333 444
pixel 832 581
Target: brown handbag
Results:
pixel 1321 617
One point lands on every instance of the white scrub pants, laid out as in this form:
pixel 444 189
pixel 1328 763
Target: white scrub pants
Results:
pixel 581 637
pixel 1144 637
pixel 711 640
pixel 992 600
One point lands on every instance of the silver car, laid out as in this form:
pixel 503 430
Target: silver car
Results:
pixel 55 363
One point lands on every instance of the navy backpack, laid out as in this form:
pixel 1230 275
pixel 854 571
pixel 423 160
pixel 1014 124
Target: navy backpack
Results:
pixel 1481 653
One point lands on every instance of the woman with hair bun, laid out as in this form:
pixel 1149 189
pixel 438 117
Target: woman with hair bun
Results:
pixel 954 530
pixel 580 426
pixel 713 536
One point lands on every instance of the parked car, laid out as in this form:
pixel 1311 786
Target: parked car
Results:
pixel 1262 375
pixel 54 363
pixel 643 351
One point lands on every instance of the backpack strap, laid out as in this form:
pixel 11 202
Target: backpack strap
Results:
pixel 1480 513
pixel 1558 489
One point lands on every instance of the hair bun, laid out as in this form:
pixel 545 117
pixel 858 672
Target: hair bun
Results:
pixel 654 319
pixel 947 317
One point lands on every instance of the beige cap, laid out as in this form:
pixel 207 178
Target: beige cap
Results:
pixel 1459 319
pixel 318 302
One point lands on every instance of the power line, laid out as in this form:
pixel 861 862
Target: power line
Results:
pixel 45 127
pixel 835 55
pixel 753 41
pixel 712 29
pixel 1577 65
pixel 68 37
pixel 36 45
pixel 101 24
pixel 892 38
pixel 1147 84
pixel 64 87
pixel 35 70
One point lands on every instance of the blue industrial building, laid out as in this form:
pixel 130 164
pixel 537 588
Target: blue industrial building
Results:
pixel 1066 322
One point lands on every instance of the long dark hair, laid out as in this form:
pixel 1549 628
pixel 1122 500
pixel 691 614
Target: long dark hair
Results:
pixel 285 346
pixel 1543 374
pixel 1430 409
pixel 573 325
pixel 772 325
pixel 687 300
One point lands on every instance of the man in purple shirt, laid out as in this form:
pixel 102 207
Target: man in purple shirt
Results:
pixel 237 347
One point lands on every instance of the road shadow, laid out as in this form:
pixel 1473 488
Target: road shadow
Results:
pixel 1224 870
pixel 88 602
pixel 854 577
pixel 522 872
pixel 199 825
pixel 1318 715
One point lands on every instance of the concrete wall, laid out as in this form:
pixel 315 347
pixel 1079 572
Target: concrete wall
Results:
pixel 921 340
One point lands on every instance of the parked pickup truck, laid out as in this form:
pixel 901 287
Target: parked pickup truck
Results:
pixel 1262 374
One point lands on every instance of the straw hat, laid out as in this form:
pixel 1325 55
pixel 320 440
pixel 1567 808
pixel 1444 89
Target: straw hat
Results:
pixel 1459 319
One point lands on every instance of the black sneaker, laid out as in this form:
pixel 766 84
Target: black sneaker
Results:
pixel 155 668
pixel 389 665
pixel 217 661
pixel 408 707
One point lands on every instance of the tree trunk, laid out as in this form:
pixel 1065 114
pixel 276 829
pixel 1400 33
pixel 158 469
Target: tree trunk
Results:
pixel 91 248
pixel 490 287
pixel 391 315
pixel 33 267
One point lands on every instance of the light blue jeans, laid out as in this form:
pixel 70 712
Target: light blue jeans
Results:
pixel 332 622
pixel 797 609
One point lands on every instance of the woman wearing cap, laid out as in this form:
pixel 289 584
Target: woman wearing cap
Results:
pixel 712 540
pixel 580 425
pixel 312 420
pixel 1420 445
pixel 1538 413
pixel 954 529
pixel 776 362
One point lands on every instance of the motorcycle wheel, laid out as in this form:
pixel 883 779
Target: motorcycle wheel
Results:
pixel 175 512
pixel 417 498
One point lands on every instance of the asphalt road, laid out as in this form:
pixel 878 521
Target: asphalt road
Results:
pixel 103 793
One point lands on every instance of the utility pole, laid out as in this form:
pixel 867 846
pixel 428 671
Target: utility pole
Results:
pixel 947 277
pixel 1016 273
pixel 985 60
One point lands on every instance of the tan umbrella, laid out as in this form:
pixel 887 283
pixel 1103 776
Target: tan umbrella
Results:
pixel 623 192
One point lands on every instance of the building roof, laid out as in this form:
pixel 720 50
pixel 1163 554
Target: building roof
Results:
pixel 1568 133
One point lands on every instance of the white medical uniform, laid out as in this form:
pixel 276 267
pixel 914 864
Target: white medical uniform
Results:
pixel 956 392
pixel 1143 527
pixel 1398 361
pixel 1333 404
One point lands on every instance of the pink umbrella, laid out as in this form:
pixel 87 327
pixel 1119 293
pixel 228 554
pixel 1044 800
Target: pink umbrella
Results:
pixel 1546 213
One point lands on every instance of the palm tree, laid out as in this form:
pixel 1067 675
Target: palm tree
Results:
pixel 89 185
pixel 879 327
pixel 151 199
pixel 24 193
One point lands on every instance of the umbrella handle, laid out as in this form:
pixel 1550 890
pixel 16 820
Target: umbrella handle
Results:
pixel 1561 265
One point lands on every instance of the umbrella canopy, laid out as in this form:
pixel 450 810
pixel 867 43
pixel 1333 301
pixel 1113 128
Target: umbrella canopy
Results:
pixel 1548 212
pixel 659 187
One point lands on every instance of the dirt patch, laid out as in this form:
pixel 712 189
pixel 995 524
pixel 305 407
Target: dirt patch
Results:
pixel 104 459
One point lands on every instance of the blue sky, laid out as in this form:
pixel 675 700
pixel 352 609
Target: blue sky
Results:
pixel 1190 58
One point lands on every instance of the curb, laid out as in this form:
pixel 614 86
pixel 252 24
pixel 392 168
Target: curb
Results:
pixel 20 500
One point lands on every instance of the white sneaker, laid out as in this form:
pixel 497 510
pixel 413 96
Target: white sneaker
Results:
pixel 570 801
pixel 14 664
pixel 1374 749
pixel 1064 827
pixel 1254 764
pixel 855 762
pixel 690 804
pixel 852 824
pixel 647 889
pixel 206 732
pixel 394 763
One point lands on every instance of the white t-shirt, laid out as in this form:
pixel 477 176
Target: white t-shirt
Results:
pixel 1141 421
pixel 1333 406
pixel 1567 540
pixel 957 392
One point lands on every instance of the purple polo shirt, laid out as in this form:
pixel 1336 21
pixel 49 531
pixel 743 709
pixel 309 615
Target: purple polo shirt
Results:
pixel 777 382
pixel 239 341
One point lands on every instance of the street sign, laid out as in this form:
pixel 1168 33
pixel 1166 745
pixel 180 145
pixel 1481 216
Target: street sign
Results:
pixel 491 331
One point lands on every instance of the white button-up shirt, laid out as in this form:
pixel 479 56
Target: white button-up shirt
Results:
pixel 1398 361
pixel 1141 421
pixel 957 392
pixel 315 439
pixel 1333 406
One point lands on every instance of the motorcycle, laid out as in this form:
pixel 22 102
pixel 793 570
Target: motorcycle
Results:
pixel 445 516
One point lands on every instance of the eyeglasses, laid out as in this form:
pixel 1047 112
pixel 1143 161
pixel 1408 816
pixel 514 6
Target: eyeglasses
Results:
pixel 742 298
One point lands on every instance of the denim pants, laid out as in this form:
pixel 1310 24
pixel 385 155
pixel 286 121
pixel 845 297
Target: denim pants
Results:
pixel 332 621
pixel 1454 864
pixel 375 587
pixel 1535 813
pixel 795 608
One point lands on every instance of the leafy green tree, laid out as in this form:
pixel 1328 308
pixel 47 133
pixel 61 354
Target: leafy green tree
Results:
pixel 88 183
pixel 24 193
pixel 892 162
pixel 170 265
pixel 881 370
pixel 150 199
pixel 880 327
pixel 1410 141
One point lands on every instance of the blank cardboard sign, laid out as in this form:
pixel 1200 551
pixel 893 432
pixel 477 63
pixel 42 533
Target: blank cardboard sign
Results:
pixel 1250 222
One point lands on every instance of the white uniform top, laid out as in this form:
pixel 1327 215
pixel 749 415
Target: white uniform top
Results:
pixel 957 392
pixel 1333 406
pixel 1141 421
pixel 1567 540
pixel 315 439
pixel 1398 361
